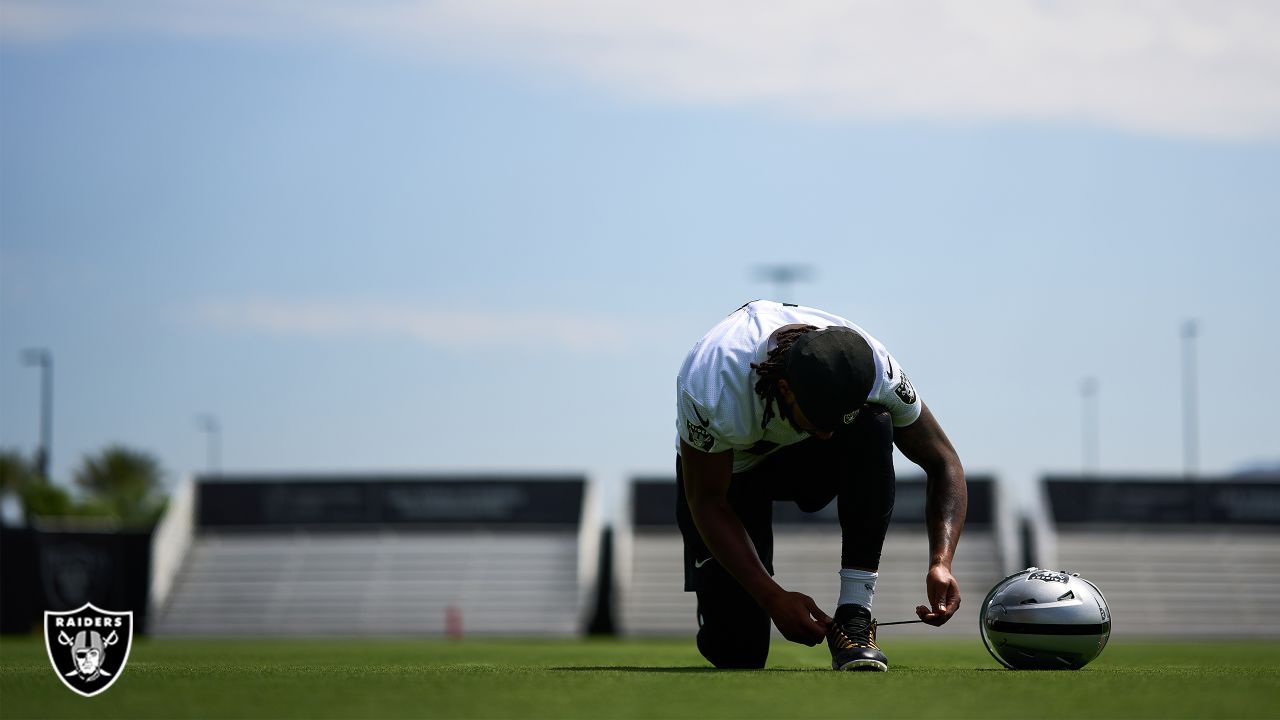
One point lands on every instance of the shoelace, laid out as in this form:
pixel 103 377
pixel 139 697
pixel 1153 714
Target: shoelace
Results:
pixel 850 635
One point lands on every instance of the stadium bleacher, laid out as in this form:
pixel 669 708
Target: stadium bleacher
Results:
pixel 807 558
pixel 381 555
pixel 1173 557
pixel 519 556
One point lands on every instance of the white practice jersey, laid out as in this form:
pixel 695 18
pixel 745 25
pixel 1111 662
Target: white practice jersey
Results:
pixel 717 408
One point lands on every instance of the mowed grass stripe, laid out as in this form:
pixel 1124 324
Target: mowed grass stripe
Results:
pixel 363 678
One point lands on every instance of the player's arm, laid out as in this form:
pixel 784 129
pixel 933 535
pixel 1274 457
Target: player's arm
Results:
pixel 706 488
pixel 947 500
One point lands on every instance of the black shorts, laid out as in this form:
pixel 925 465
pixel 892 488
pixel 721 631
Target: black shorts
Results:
pixel 809 473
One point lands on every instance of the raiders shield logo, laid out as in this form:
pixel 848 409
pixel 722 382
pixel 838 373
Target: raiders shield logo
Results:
pixel 905 391
pixel 699 437
pixel 88 647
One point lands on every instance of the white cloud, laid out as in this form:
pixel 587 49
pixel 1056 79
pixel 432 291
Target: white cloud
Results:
pixel 1205 68
pixel 432 326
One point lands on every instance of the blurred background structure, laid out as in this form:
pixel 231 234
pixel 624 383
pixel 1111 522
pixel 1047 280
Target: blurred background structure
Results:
pixel 1175 557
pixel 380 555
pixel 519 556
pixel 438 239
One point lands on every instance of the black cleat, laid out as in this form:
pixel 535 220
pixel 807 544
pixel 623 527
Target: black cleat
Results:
pixel 852 639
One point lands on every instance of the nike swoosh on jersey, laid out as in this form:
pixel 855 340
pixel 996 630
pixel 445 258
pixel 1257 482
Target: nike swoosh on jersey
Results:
pixel 889 361
pixel 705 422
pixel 700 563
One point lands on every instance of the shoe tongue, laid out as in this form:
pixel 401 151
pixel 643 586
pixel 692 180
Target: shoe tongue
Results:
pixel 855 620
pixel 858 623
pixel 851 613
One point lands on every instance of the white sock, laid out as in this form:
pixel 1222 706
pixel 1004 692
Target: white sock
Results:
pixel 857 587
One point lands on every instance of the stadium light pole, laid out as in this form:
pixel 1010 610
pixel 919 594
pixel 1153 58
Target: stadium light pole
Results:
pixel 1190 417
pixel 209 425
pixel 44 359
pixel 783 276
pixel 1089 426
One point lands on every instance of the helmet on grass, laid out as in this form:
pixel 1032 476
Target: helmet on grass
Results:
pixel 1045 620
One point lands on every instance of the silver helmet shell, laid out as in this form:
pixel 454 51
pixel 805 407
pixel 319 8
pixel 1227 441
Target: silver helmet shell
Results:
pixel 1045 620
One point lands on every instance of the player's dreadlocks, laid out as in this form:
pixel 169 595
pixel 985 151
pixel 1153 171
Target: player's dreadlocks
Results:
pixel 770 371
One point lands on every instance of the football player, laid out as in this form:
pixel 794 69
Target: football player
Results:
pixel 785 403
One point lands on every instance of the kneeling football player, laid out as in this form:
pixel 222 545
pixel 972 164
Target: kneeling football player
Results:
pixel 781 402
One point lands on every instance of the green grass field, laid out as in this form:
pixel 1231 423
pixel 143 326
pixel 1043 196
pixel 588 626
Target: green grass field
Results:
pixel 168 678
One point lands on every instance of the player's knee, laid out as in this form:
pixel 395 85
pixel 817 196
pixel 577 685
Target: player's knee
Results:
pixel 739 663
pixel 728 652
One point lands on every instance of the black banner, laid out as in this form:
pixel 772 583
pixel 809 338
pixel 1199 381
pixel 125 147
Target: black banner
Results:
pixel 109 569
pixel 257 503
pixel 1076 500
pixel 61 570
pixel 653 504
pixel 19 580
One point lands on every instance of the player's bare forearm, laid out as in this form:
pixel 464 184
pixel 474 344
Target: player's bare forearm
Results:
pixel 796 615
pixel 706 488
pixel 728 541
pixel 946 504
pixel 947 495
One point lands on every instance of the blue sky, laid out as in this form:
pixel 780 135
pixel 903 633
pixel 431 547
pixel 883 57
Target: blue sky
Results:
pixel 452 240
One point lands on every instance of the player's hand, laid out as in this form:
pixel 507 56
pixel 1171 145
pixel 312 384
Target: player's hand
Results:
pixel 943 593
pixel 798 618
